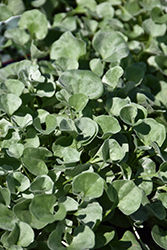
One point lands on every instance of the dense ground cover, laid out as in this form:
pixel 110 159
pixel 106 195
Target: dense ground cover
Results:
pixel 83 147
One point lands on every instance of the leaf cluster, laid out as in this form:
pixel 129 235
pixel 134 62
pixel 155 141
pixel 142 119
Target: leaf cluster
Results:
pixel 83 122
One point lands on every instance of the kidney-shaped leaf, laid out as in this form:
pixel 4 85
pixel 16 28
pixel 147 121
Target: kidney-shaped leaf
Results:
pixel 88 185
pixel 42 183
pixel 84 238
pixel 159 236
pixel 131 113
pixel 90 214
pixel 17 182
pixel 149 130
pixel 50 122
pixel 42 207
pixel 32 20
pixel 111 151
pixel 33 160
pixel 129 196
pixel 108 125
pixel 54 240
pixel 88 129
pixel 26 234
pixel 82 81
pixel 68 46
pixel 110 45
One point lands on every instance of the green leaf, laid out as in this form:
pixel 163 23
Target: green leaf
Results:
pixel 156 209
pixel 154 29
pixel 69 203
pixel 31 139
pixel 114 105
pixel 84 238
pixel 110 45
pixel 89 214
pixel 112 76
pixel 159 236
pixel 96 66
pixel 88 185
pixel 132 113
pixel 108 125
pixel 9 103
pixel 16 7
pixel 42 207
pixel 18 36
pixel 4 196
pixel 5 12
pixel 161 61
pixel 111 151
pixel 65 63
pixel 70 155
pixel 26 234
pixel 33 160
pixel 87 130
pixel 129 196
pixel 15 86
pixel 158 16
pixel 32 20
pixel 50 121
pixel 82 81
pixel 4 127
pixel 35 52
pixel 17 182
pixel 147 131
pixel 42 183
pixel 64 47
pixel 78 101
pixel 82 5
pixel 22 212
pixel 22 120
pixel 134 73
pixel 15 150
pixel 7 218
pixel 54 240
pixel 103 237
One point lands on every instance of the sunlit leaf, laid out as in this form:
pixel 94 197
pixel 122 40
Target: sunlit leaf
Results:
pixel 32 20
pixel 33 160
pixel 110 45
pixel 88 185
pixel 63 47
pixel 82 81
